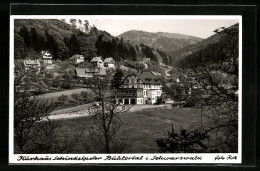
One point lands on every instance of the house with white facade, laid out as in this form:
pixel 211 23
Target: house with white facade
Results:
pixel 109 63
pixel 77 59
pixel 32 65
pixel 98 62
pixel 46 57
pixel 140 88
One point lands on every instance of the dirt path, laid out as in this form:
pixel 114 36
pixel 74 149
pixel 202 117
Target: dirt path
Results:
pixel 82 111
pixel 168 70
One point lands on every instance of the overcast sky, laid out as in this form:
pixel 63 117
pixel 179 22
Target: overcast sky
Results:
pixel 202 28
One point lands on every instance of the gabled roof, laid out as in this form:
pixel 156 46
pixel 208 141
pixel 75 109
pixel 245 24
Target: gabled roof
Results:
pixel 97 59
pixel 83 71
pixel 147 77
pixel 109 60
pixel 44 52
pixel 31 62
pixel 77 56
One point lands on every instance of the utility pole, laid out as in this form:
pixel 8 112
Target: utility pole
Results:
pixel 200 110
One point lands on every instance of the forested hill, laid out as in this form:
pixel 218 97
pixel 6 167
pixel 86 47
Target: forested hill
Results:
pixel 163 41
pixel 187 51
pixel 220 47
pixel 63 41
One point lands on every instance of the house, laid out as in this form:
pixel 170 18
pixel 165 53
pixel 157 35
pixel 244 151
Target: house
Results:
pixel 146 61
pixel 169 101
pixel 29 65
pixel 77 59
pixel 139 88
pixel 98 62
pixel 142 63
pixel 46 57
pixel 109 62
pixel 89 72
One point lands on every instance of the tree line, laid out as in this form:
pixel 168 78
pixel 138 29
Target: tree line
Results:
pixel 30 41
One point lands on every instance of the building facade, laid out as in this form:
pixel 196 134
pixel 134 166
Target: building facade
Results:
pixel 98 62
pixel 77 59
pixel 46 57
pixel 30 65
pixel 109 63
pixel 140 88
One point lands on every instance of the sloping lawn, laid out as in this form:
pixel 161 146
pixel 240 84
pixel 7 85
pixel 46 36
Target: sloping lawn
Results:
pixel 142 128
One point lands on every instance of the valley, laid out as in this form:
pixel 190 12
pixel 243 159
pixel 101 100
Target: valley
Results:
pixel 79 89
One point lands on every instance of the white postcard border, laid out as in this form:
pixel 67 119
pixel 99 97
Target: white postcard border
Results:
pixel 169 158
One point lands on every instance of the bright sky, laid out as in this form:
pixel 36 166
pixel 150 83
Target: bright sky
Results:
pixel 202 28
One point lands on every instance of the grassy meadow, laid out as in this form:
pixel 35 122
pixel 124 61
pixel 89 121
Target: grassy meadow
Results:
pixel 142 128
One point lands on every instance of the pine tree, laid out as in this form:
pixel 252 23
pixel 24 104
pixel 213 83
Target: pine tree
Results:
pixel 117 79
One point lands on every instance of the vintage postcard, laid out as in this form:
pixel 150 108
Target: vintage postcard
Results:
pixel 157 89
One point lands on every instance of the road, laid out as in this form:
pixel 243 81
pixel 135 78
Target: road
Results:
pixel 167 70
pixel 85 110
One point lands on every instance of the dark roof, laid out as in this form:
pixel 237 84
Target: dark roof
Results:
pixel 83 71
pixel 97 59
pixel 148 77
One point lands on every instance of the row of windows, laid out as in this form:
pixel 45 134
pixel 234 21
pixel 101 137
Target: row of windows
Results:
pixel 142 86
pixel 126 93
pixel 133 81
pixel 153 93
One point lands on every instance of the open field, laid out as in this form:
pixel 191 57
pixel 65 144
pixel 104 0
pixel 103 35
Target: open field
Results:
pixel 83 110
pixel 66 92
pixel 142 128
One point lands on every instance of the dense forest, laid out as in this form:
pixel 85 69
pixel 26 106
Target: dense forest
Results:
pixel 64 41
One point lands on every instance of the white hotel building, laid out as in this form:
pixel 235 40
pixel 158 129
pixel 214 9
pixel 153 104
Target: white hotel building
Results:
pixel 140 88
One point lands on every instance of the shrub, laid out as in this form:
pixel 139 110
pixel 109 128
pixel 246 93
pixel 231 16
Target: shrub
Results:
pixel 186 141
pixel 189 103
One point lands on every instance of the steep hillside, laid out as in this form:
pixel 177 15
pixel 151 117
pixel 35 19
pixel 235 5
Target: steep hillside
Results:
pixel 163 41
pixel 188 50
pixel 64 40
pixel 222 45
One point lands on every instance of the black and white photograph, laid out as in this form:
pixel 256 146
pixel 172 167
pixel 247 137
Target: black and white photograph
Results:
pixel 125 89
